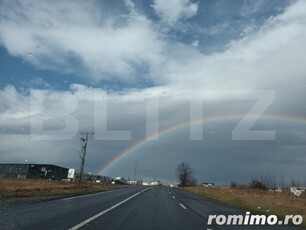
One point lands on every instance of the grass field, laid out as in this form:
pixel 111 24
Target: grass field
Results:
pixel 12 188
pixel 256 201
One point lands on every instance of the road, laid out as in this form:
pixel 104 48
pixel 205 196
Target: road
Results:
pixel 127 208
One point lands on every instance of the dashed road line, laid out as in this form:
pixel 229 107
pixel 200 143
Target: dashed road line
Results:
pixel 182 206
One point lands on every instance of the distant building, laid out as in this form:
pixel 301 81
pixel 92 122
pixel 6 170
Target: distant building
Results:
pixel 119 180
pixel 208 184
pixel 33 171
pixel 134 182
pixel 95 178
pixel 155 183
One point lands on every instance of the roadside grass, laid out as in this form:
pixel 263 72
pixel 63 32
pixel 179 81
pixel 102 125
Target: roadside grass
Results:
pixel 14 188
pixel 256 201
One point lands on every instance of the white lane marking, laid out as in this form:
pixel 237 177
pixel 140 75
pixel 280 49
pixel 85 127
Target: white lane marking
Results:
pixel 173 197
pixel 183 206
pixel 105 211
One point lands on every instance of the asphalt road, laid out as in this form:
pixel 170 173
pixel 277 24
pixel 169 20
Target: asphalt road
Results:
pixel 127 208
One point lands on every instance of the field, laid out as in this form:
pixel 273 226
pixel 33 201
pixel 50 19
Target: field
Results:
pixel 13 188
pixel 256 201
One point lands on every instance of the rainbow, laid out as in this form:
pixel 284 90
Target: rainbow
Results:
pixel 178 126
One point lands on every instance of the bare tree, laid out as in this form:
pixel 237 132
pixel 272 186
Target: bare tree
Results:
pixel 234 184
pixel 282 182
pixel 185 175
pixel 295 183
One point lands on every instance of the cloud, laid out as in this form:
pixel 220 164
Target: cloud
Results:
pixel 61 35
pixel 265 58
pixel 172 11
pixel 127 46
pixel 39 82
pixel 216 29
pixel 195 43
pixel 251 7
pixel 130 48
pixel 127 111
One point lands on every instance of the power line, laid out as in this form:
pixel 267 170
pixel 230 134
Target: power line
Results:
pixel 18 102
pixel 19 132
pixel 9 99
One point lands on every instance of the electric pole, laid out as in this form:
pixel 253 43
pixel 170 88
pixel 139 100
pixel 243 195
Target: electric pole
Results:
pixel 135 170
pixel 84 141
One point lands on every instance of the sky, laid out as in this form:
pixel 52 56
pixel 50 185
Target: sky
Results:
pixel 218 84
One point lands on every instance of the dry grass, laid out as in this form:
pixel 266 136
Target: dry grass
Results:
pixel 28 188
pixel 257 201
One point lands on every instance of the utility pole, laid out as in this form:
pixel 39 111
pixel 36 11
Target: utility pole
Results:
pixel 84 141
pixel 135 170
